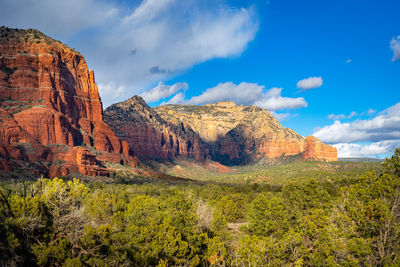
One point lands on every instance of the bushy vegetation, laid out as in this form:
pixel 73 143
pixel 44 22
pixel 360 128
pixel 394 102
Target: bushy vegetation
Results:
pixel 274 175
pixel 313 222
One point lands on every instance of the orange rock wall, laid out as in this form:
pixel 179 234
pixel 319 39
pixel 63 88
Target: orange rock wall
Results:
pixel 316 150
pixel 275 148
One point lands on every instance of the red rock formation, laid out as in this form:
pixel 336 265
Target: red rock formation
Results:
pixel 316 150
pixel 241 134
pixel 49 96
pixel 149 135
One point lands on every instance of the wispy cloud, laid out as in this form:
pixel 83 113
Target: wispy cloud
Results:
pixel 282 116
pixel 167 36
pixel 179 98
pixel 395 46
pixel 309 83
pixel 342 116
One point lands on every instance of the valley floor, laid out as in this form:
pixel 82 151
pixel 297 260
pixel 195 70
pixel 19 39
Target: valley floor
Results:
pixel 298 213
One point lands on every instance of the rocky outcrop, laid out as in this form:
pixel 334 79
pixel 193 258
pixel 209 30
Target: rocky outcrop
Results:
pixel 49 99
pixel 241 134
pixel 316 150
pixel 150 136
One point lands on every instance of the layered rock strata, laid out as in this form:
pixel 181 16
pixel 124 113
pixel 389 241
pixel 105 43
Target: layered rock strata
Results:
pixel 241 134
pixel 150 136
pixel 50 102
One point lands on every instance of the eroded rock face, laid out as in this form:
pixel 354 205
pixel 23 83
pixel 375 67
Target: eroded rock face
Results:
pixel 241 134
pixel 49 96
pixel 150 136
pixel 316 150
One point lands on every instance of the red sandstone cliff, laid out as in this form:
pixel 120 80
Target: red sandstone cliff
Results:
pixel 49 102
pixel 150 136
pixel 51 117
pixel 316 150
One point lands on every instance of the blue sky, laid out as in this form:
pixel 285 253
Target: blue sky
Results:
pixel 253 52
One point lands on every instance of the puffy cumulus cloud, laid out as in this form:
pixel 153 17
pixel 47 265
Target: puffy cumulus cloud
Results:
pixel 244 94
pixel 272 100
pixel 385 126
pixel 382 132
pixel 342 116
pixel 346 150
pixel 162 91
pixel 395 46
pixel 137 43
pixel 309 83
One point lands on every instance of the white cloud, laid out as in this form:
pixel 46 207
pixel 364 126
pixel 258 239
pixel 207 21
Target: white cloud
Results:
pixel 282 116
pixel 148 10
pixel 352 114
pixel 163 91
pixel 244 94
pixel 168 37
pixel 112 89
pixel 179 98
pixel 395 46
pixel 272 100
pixel 346 150
pixel 371 111
pixel 309 83
pixel 342 116
pixel 135 44
pixel 349 61
pixel 57 18
pixel 382 132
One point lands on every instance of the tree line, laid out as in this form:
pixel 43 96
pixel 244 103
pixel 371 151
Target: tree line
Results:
pixel 55 222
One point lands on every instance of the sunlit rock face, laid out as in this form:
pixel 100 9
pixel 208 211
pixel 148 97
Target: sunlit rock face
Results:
pixel 49 99
pixel 150 136
pixel 241 134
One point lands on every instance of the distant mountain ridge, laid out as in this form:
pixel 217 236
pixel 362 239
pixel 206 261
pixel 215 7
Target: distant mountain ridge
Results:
pixel 223 131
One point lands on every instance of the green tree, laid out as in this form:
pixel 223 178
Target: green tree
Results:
pixel 373 206
pixel 268 215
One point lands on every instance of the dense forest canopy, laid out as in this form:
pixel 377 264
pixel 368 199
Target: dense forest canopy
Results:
pixel 315 221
